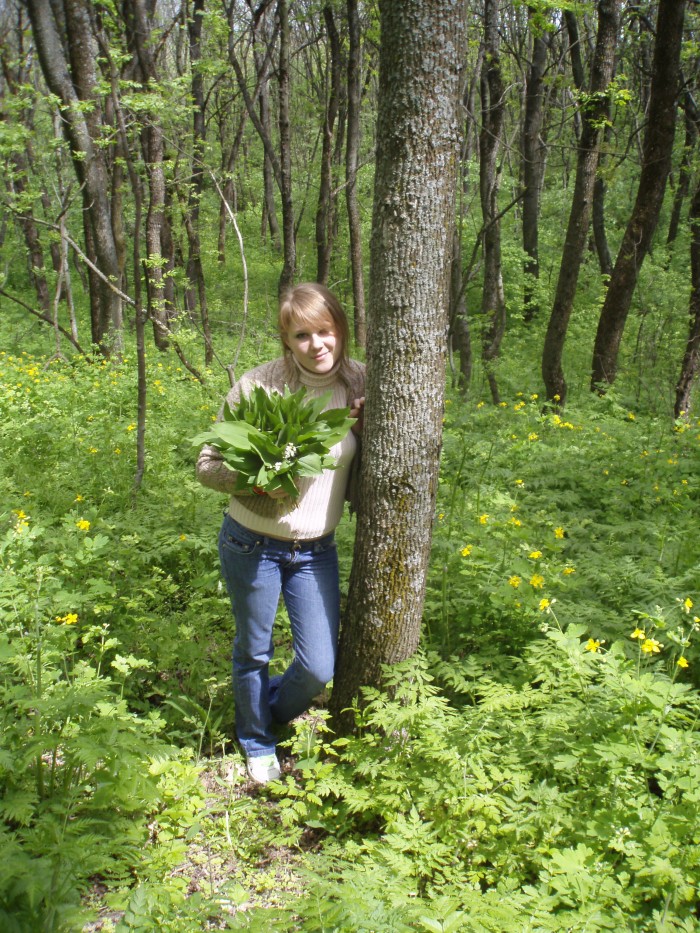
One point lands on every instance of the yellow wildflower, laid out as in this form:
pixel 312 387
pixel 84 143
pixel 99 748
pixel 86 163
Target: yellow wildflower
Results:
pixel 682 662
pixel 483 519
pixel 535 555
pixel 568 570
pixel 532 436
pixel 593 644
pixel 515 581
pixel 687 604
pixel 544 604
pixel 651 646
pixel 638 633
pixel 466 550
pixel 83 525
pixel 559 533
pixel 79 498
pixel 537 581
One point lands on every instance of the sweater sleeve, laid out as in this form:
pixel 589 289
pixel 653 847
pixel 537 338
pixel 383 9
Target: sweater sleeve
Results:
pixel 211 470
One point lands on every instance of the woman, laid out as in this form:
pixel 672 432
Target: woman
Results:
pixel 268 547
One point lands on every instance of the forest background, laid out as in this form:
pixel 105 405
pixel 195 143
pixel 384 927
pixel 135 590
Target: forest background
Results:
pixel 167 167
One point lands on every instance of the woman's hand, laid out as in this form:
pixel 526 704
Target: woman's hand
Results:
pixel 357 410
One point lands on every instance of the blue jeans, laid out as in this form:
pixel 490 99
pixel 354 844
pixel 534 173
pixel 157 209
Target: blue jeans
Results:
pixel 257 569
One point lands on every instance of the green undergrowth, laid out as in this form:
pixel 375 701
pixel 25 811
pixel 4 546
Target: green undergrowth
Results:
pixel 535 767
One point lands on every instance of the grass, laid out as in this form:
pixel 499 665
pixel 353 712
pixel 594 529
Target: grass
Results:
pixel 535 767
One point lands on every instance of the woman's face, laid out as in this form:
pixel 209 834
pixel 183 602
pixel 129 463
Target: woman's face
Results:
pixel 316 347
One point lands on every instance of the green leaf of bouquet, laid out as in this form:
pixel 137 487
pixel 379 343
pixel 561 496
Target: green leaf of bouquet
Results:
pixel 236 434
pixel 287 483
pixel 311 465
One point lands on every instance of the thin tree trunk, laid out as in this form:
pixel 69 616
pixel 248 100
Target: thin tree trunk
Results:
pixel 493 306
pixel 75 85
pixel 272 160
pixel 416 172
pixel 159 307
pixel 599 233
pixel 285 128
pixel 325 209
pixel 691 358
pixel 580 214
pixel 195 271
pixel 656 165
pixel 533 167
pixel 352 159
pixel 460 337
pixel 684 174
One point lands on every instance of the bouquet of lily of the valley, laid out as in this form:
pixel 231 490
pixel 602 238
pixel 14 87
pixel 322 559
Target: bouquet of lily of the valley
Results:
pixel 272 439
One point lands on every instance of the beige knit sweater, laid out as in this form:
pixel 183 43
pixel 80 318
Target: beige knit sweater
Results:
pixel 319 507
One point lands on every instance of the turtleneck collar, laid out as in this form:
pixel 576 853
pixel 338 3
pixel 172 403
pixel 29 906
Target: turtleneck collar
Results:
pixel 316 380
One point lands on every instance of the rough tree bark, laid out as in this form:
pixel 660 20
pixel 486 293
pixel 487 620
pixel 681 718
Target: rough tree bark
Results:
pixel 413 215
pixel 594 108
pixel 656 165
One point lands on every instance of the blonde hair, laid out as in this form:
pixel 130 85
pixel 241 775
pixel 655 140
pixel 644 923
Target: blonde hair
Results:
pixel 309 304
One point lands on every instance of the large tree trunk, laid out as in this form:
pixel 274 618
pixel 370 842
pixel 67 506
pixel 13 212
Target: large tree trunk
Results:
pixel 74 85
pixel 656 165
pixel 493 305
pixel 579 216
pixel 352 158
pixel 416 171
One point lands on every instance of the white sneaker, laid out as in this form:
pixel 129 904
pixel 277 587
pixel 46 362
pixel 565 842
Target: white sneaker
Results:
pixel 262 769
